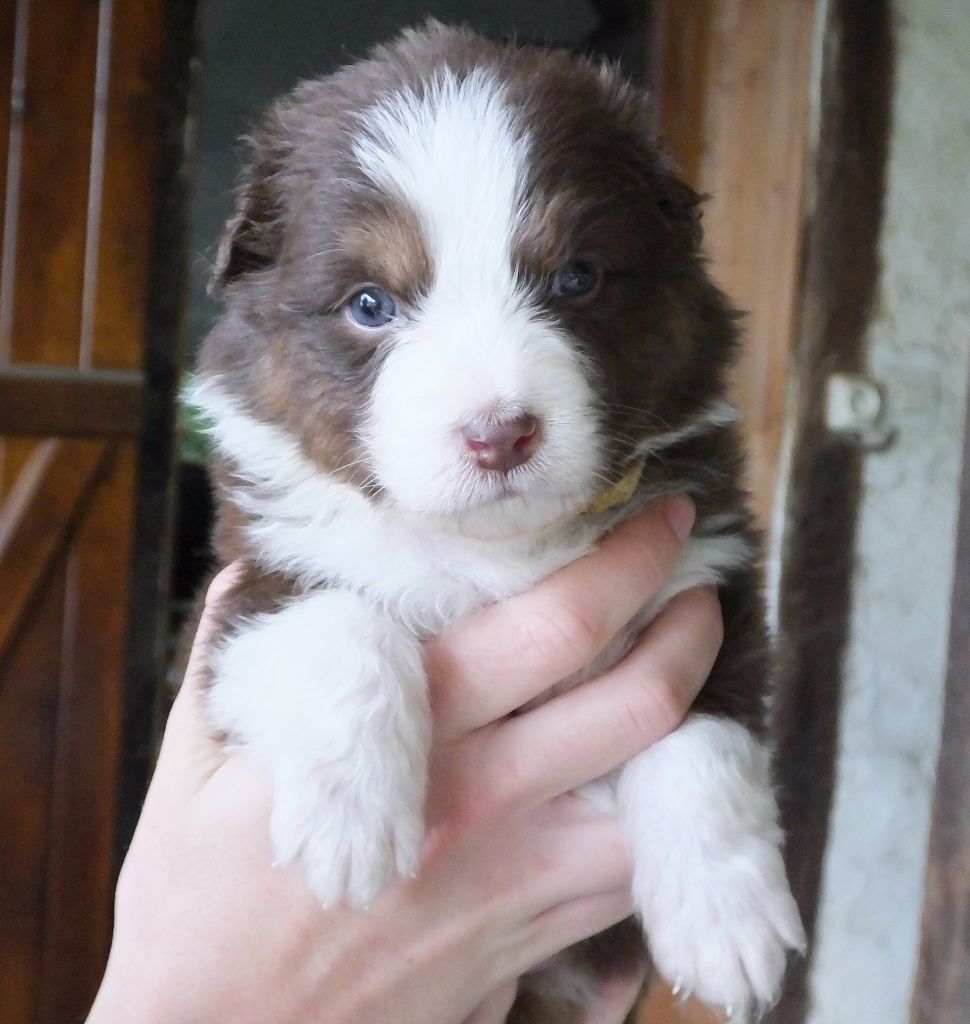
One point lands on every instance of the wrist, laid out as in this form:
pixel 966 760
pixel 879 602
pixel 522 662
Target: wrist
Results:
pixel 120 1000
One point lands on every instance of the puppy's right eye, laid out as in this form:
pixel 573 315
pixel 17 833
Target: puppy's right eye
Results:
pixel 578 279
pixel 372 307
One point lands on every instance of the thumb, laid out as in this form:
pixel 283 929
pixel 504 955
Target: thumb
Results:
pixel 189 753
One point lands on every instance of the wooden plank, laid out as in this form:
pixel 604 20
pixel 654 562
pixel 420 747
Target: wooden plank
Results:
pixel 28 705
pixel 8 25
pixel 733 88
pixel 136 103
pixel 35 526
pixel 13 55
pixel 43 276
pixel 77 932
pixel 13 23
pixel 16 454
pixel 86 209
pixel 165 331
pixel 54 180
pixel 682 79
pixel 49 402
pixel 839 294
pixel 941 994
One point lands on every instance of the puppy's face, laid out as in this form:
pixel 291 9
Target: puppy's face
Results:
pixel 463 280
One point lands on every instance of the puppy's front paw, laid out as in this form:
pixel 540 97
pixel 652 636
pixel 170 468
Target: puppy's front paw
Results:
pixel 721 929
pixel 352 838
pixel 709 881
pixel 330 696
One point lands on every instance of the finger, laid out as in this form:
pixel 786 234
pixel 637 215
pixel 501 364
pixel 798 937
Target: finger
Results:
pixel 189 753
pixel 512 651
pixel 216 593
pixel 584 734
pixel 496 1008
pixel 578 850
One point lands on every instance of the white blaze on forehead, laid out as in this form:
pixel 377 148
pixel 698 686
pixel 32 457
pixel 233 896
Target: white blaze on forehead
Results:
pixel 478 343
pixel 456 156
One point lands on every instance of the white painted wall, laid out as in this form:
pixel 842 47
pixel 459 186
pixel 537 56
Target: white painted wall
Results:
pixel 866 948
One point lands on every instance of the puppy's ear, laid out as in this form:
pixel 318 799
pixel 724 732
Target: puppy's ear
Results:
pixel 253 236
pixel 677 202
pixel 681 206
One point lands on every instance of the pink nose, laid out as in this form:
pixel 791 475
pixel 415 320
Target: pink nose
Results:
pixel 501 445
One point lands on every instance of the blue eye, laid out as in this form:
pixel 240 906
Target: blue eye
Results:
pixel 576 279
pixel 372 307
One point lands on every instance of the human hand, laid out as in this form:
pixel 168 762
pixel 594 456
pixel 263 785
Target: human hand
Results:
pixel 515 867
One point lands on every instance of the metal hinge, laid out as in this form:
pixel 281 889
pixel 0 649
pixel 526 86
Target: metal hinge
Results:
pixel 856 409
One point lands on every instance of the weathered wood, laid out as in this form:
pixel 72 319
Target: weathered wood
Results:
pixel 733 86
pixel 49 140
pixel 84 779
pixel 37 522
pixel 838 297
pixel 47 402
pixel 941 994
pixel 28 708
pixel 13 26
pixel 135 106
pixel 74 298
pixel 165 314
pixel 8 29
pixel 54 181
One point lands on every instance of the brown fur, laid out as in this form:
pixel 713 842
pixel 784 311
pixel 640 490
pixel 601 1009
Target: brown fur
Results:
pixel 659 334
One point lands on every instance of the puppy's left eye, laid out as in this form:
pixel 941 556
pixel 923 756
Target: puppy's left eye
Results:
pixel 372 307
pixel 576 279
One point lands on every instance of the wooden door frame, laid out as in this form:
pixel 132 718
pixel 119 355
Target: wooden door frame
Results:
pixel 811 310
pixel 838 292
pixel 733 81
pixel 166 325
pixel 941 994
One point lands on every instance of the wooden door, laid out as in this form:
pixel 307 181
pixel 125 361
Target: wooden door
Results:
pixel 733 80
pixel 80 92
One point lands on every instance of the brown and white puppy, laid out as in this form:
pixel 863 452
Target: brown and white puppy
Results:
pixel 465 298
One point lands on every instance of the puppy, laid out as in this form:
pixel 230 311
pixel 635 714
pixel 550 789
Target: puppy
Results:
pixel 468 328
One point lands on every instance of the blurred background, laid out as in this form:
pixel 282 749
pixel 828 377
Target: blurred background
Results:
pixel 833 138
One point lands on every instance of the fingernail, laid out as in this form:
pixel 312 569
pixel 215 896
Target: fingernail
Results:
pixel 680 514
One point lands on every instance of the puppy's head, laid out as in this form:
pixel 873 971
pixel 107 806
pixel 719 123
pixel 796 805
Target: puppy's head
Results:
pixel 464 280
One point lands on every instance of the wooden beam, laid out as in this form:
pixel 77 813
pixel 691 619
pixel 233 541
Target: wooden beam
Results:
pixel 42 401
pixel 838 298
pixel 942 991
pixel 733 81
pixel 163 333
pixel 37 520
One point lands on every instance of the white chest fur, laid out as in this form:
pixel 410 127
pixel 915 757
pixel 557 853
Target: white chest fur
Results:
pixel 424 573
pixel 329 694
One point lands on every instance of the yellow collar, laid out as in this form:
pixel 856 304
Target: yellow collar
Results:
pixel 620 493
